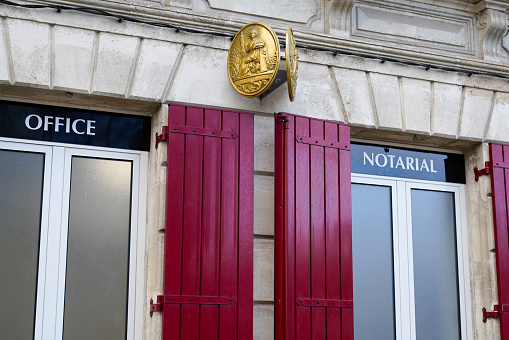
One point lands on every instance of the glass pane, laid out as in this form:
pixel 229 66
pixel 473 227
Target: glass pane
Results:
pixel 98 250
pixel 435 265
pixel 373 275
pixel 21 181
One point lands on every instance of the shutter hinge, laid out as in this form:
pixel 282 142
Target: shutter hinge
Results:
pixel 155 307
pixel 163 136
pixel 196 300
pixel 482 172
pixel 323 142
pixel 490 315
pixel 326 303
pixel 189 299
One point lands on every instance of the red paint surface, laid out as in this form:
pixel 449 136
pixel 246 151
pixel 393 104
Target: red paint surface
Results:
pixel 313 230
pixel 209 226
pixel 500 189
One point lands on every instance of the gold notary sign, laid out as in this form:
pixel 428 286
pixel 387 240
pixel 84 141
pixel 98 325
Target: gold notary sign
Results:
pixel 253 59
pixel 291 63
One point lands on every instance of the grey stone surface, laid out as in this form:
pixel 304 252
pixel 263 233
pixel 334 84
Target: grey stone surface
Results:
pixel 116 58
pixel 156 62
pixel 316 95
pixel 201 79
pixel 283 10
pixel 386 94
pixel 263 276
pixel 408 26
pixel 447 101
pixel 417 105
pixel 5 53
pixel 73 59
pixel 498 127
pixel 30 48
pixel 476 110
pixel 264 143
pixel 356 97
pixel 263 322
pixel 264 205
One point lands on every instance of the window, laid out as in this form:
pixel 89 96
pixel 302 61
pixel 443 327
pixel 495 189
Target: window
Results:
pixel 410 259
pixel 74 220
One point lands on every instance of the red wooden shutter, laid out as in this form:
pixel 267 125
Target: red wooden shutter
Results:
pixel 208 271
pixel 499 170
pixel 314 283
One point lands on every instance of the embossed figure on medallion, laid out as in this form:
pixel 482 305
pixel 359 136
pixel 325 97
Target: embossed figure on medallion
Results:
pixel 253 59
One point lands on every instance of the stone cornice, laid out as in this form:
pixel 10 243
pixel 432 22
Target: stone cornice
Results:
pixel 339 15
pixel 498 5
pixel 187 18
pixel 493 25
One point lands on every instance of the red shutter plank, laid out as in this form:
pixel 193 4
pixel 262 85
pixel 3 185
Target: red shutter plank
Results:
pixel 209 226
pixel 313 231
pixel 318 316
pixel 500 189
pixel 280 234
pixel 285 313
pixel 345 213
pixel 229 219
pixel 192 224
pixel 303 232
pixel 246 204
pixel 174 224
pixel 209 316
pixel 332 232
pixel 290 245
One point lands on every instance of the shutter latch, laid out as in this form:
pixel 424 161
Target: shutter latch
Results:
pixel 490 315
pixel 163 136
pixel 482 172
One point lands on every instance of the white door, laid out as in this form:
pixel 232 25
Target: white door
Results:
pixel 72 234
pixel 410 259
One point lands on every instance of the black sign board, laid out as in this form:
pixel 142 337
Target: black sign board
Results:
pixel 407 163
pixel 74 126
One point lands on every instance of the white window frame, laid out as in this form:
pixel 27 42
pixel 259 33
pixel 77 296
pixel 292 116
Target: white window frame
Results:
pixel 44 228
pixel 403 250
pixel 54 228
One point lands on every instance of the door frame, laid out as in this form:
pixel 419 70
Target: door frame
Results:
pixel 44 222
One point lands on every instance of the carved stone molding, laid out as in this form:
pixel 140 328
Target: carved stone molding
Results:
pixel 179 3
pixel 339 16
pixel 493 26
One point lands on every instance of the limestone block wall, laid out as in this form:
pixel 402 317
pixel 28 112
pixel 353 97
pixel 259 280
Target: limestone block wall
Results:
pixel 92 55
pixel 138 68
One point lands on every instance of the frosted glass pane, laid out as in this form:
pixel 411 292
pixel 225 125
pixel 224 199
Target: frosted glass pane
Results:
pixel 435 265
pixel 98 250
pixel 21 181
pixel 373 275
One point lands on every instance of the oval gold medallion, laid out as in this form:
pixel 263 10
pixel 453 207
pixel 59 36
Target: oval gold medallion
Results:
pixel 253 59
pixel 291 63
